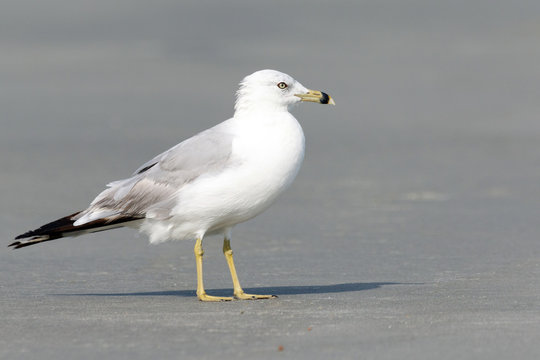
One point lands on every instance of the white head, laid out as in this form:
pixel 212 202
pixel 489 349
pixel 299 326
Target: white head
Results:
pixel 271 90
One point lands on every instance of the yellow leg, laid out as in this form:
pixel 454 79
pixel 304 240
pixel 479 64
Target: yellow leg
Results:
pixel 238 292
pixel 201 294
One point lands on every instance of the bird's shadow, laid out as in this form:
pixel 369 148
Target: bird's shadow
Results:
pixel 273 290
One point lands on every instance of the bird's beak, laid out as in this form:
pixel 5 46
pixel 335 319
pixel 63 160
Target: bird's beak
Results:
pixel 316 96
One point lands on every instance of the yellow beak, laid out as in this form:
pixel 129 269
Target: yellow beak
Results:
pixel 316 96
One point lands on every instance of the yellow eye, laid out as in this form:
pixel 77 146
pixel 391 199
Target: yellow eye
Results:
pixel 282 85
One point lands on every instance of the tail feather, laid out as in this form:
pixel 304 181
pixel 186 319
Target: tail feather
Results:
pixel 64 227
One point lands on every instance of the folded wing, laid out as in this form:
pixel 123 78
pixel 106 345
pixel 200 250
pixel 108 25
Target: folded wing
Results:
pixel 155 184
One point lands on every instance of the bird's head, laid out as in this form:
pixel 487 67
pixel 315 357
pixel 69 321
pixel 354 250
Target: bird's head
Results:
pixel 274 90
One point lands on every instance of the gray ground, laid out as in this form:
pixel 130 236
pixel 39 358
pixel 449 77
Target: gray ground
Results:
pixel 411 231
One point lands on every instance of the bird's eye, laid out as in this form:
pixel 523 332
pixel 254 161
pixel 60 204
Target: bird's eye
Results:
pixel 282 85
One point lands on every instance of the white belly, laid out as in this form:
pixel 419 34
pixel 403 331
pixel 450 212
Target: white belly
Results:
pixel 266 161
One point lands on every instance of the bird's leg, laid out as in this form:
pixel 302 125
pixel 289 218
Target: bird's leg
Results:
pixel 201 294
pixel 238 292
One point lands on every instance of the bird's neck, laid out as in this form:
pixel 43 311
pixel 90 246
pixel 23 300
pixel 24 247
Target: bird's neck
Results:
pixel 248 107
pixel 262 116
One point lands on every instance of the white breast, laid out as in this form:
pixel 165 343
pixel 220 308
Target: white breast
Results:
pixel 272 155
pixel 266 156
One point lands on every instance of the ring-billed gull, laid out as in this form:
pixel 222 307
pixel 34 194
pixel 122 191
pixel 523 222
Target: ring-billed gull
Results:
pixel 208 183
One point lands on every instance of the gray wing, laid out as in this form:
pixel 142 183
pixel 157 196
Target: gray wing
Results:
pixel 153 186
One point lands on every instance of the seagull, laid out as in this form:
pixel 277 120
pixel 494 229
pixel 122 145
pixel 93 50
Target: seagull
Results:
pixel 208 183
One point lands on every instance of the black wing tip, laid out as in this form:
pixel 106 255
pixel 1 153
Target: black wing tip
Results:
pixel 48 228
pixel 32 241
pixel 25 235
pixel 14 245
pixel 20 244
pixel 64 227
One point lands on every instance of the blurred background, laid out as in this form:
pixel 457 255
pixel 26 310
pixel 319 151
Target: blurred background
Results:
pixel 426 171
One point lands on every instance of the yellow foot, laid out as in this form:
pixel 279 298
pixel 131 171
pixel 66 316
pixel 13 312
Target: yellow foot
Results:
pixel 244 296
pixel 205 297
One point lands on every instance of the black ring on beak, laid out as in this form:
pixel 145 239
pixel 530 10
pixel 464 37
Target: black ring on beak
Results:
pixel 325 98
